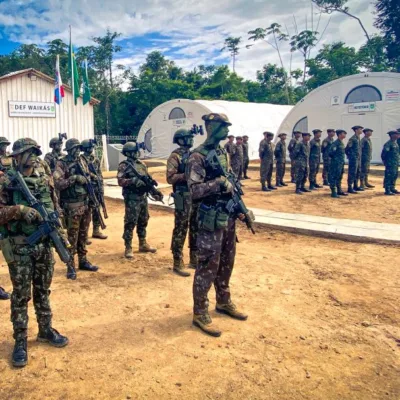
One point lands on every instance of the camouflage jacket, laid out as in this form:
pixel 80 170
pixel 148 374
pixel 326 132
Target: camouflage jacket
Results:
pixel 315 150
pixel 92 159
pixel 245 151
pixel 353 148
pixel 301 152
pixel 366 149
pixel 230 148
pixel 292 145
pixel 336 153
pixel 390 154
pixel 266 150
pixel 132 185
pixel 237 157
pixel 326 145
pixel 280 152
pixel 176 166
pixel 52 158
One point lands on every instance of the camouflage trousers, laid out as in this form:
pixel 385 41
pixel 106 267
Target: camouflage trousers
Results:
pixel 364 172
pixel 353 172
pixel 237 169
pixel 314 169
pixel 245 166
pixel 136 215
pixel 280 172
pixel 78 227
pixel 216 252
pixel 335 175
pixel 95 220
pixel 292 169
pixel 391 174
pixel 185 220
pixel 33 266
pixel 325 170
pixel 301 174
pixel 267 167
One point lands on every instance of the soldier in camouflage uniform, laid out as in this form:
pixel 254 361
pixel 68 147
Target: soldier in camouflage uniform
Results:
pixel 266 153
pixel 185 216
pixel 135 194
pixel 366 156
pixel 30 267
pixel 87 147
pixel 5 165
pixel 326 144
pixel 301 156
pixel 353 153
pixel 292 145
pixel 238 158
pixel 280 157
pixel 336 164
pixel 246 159
pixel 230 147
pixel 390 158
pixel 56 153
pixel 217 234
pixel 315 159
pixel 71 182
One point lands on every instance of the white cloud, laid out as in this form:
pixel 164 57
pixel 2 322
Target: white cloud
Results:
pixel 193 31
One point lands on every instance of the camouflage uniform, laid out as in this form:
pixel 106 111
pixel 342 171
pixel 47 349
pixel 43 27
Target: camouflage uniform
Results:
pixel 246 159
pixel 237 161
pixel 280 157
pixel 301 156
pixel 353 152
pixel 292 145
pixel 325 147
pixel 390 158
pixel 266 153
pixel 52 158
pixel 336 166
pixel 366 156
pixel 315 160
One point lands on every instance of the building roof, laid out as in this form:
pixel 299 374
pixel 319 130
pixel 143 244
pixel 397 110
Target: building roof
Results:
pixel 43 76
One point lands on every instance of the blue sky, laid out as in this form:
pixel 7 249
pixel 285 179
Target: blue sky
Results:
pixel 188 31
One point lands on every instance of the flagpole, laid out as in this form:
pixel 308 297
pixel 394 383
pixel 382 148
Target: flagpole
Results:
pixel 59 105
pixel 72 79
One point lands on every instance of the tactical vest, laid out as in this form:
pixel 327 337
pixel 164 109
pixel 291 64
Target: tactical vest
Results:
pixel 183 159
pixel 132 190
pixel 39 185
pixel 74 193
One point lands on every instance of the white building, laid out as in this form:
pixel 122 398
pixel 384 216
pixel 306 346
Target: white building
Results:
pixel 371 100
pixel 250 119
pixel 27 109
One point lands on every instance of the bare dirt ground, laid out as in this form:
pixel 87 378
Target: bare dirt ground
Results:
pixel 324 324
pixel 370 205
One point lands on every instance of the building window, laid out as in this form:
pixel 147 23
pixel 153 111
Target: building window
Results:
pixel 177 113
pixel 363 94
pixel 147 141
pixel 302 125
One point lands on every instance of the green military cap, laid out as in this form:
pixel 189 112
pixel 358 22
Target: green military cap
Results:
pixel 215 117
pixel 282 134
pixel 339 131
pixel 269 134
pixel 367 130
pixel 316 131
pixel 4 140
pixel 25 144
pixel 306 134
pixel 390 133
pixel 71 143
pixel 357 127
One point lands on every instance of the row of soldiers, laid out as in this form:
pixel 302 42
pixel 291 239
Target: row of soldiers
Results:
pixel 305 156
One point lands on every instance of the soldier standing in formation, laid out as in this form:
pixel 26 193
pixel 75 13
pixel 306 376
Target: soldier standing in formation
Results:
pixel 353 153
pixel 266 153
pixel 185 217
pixel 326 144
pixel 390 158
pixel 5 165
pixel 366 156
pixel 71 178
pixel 315 159
pixel 301 157
pixel 246 159
pixel 336 164
pixel 230 148
pixel 135 193
pixel 56 153
pixel 217 234
pixel 280 157
pixel 87 147
pixel 30 267
pixel 237 158
pixel 292 145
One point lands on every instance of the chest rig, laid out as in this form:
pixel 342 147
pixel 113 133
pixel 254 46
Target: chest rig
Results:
pixel 76 192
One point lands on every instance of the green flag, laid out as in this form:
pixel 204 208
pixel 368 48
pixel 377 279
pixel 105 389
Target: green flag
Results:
pixel 73 71
pixel 86 88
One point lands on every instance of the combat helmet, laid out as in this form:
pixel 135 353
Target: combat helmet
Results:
pixel 182 134
pixel 130 147
pixel 71 143
pixel 4 140
pixel 86 143
pixel 54 141
pixel 22 145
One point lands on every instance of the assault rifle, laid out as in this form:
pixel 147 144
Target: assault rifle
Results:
pixel 151 184
pixel 235 205
pixel 100 193
pixel 91 192
pixel 51 225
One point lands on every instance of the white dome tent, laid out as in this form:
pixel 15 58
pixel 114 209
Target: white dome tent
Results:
pixel 250 119
pixel 371 100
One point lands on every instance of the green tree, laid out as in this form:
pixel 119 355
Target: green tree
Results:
pixel 232 45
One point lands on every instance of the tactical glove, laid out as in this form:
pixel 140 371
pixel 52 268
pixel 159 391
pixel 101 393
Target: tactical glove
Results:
pixel 225 185
pixel 30 214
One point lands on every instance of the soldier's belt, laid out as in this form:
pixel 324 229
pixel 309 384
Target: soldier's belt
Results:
pixel 21 240
pixel 73 206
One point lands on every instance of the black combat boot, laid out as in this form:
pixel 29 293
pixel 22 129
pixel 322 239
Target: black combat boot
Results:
pixel 278 184
pixel 298 191
pixel 270 187
pixel 334 193
pixel 340 191
pixel 304 190
pixel 351 190
pixel 326 183
pixel 358 188
pixel 388 192
pixel 71 272
pixel 264 188
pixel 312 186
pixel 393 190
pixel 317 186
pixel 51 336
pixel 368 185
pixel 284 184
pixel 3 294
pixel 85 265
pixel 20 353
pixel 362 184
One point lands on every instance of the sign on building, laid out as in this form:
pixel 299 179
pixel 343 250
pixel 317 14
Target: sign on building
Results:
pixel 392 95
pixel 31 109
pixel 362 107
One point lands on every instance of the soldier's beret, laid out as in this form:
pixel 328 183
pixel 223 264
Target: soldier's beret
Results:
pixel 282 134
pixel 330 130
pixel 306 134
pixel 215 117
pixel 239 137
pixel 357 127
pixel 390 133
pixel 367 130
pixel 339 131
pixel 316 131
pixel 269 134
pixel 297 133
